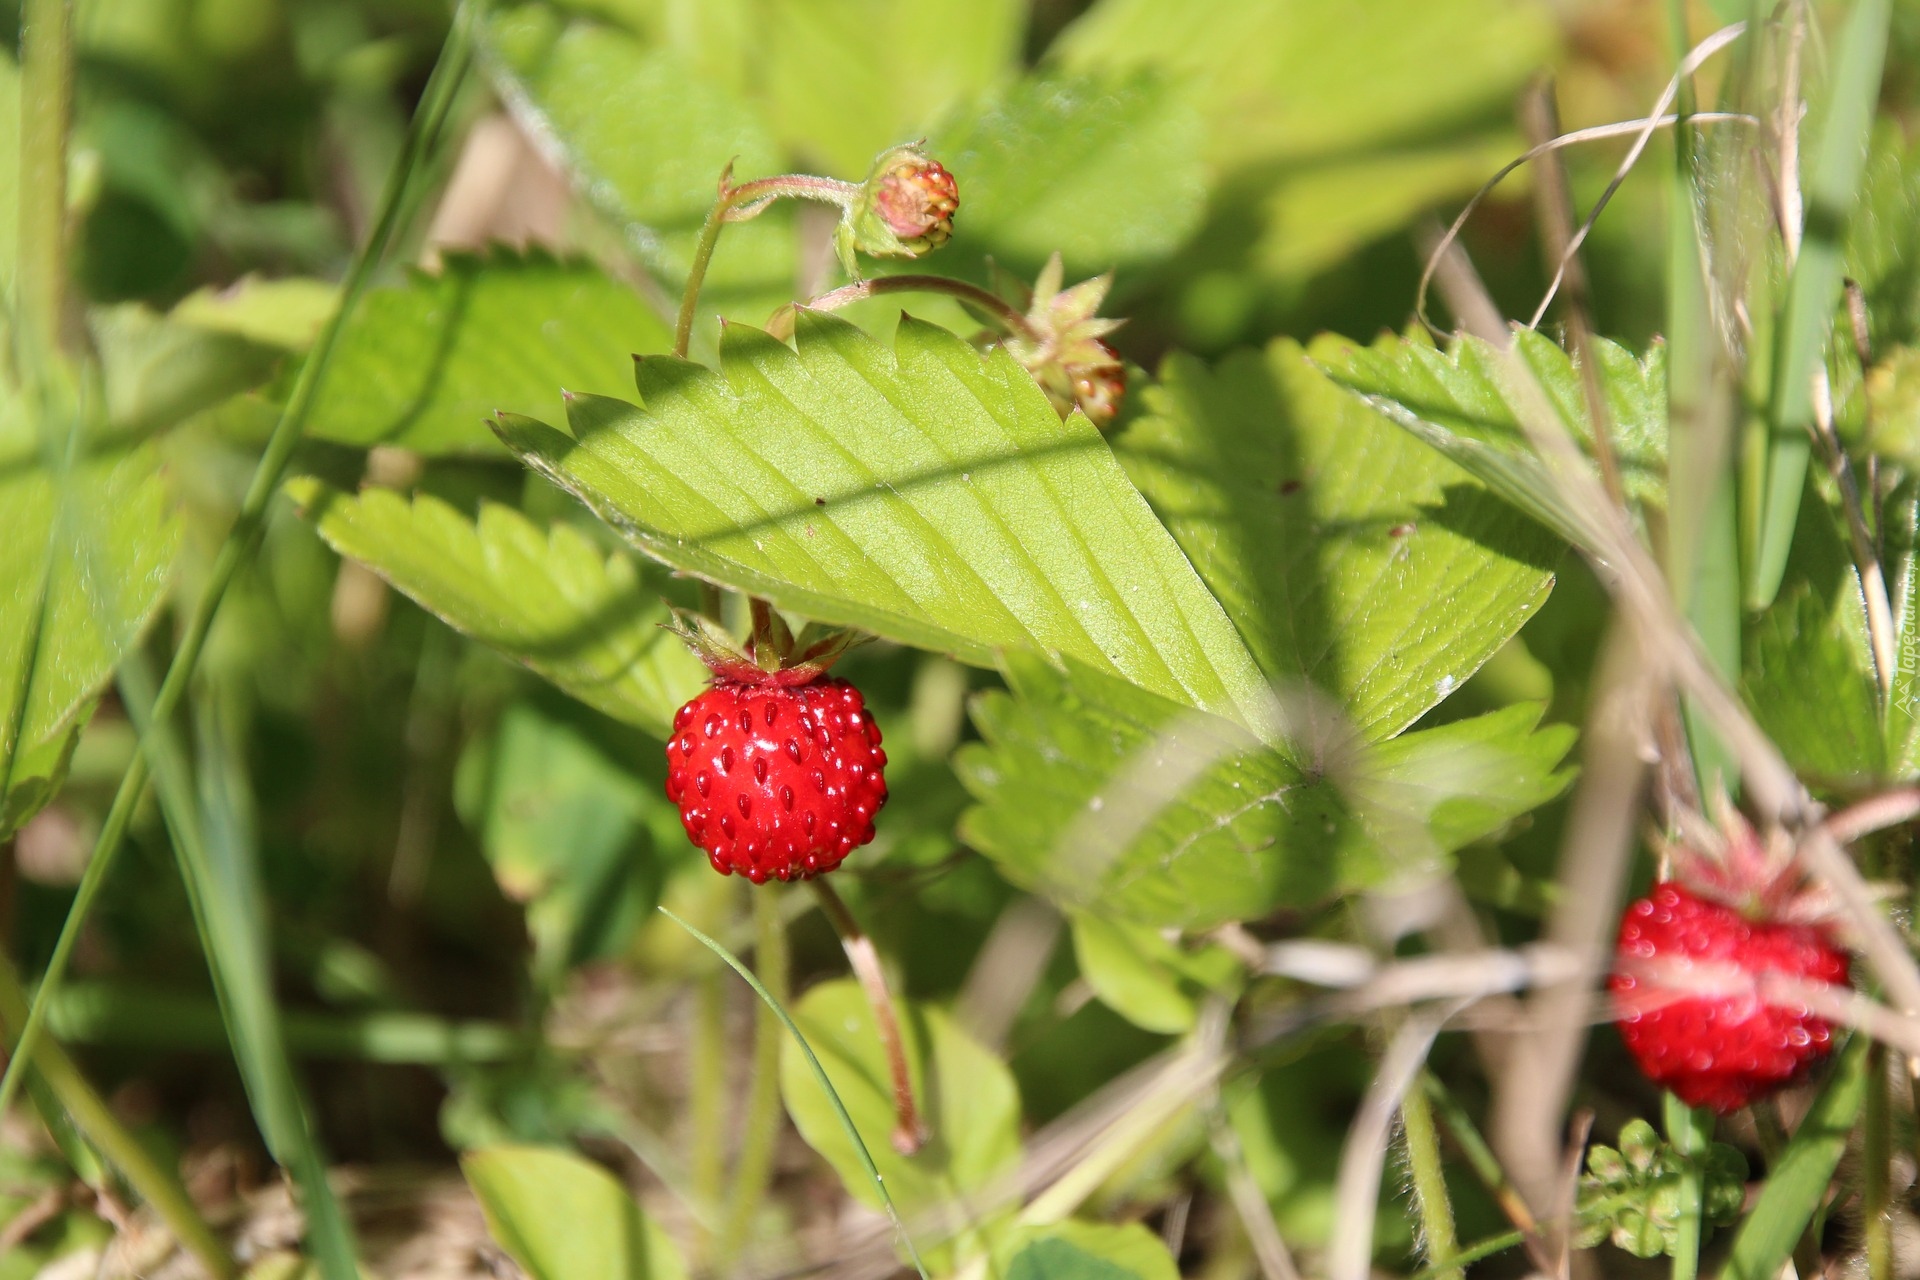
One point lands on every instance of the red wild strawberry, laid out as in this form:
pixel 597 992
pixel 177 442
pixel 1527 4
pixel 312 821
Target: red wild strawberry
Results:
pixel 1689 986
pixel 776 779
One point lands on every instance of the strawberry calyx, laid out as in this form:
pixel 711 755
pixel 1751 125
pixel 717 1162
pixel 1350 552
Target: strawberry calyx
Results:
pixel 773 656
pixel 1725 861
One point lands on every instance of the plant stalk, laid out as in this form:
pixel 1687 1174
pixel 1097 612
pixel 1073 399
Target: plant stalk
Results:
pixel 241 538
pixel 707 1100
pixel 1689 1129
pixel 1429 1183
pixel 46 113
pixel 909 1132
pixel 760 1129
pixel 1876 1159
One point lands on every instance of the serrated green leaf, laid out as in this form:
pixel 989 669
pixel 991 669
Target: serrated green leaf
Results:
pixel 1351 556
pixel 968 1097
pixel 1292 79
pixel 426 364
pixel 100 533
pixel 844 79
pixel 1088 1251
pixel 1807 672
pixel 923 492
pixel 564 1218
pixel 647 139
pixel 1105 172
pixel 1459 402
pixel 587 621
pixel 1104 797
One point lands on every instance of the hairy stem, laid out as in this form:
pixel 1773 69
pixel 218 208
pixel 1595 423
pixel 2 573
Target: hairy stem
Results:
pixel 707 1100
pixel 909 1132
pixel 1429 1182
pixel 697 270
pixel 46 112
pixel 1689 1129
pixel 244 534
pixel 1876 1159
pixel 760 1130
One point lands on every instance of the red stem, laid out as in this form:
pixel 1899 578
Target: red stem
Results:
pixel 909 1131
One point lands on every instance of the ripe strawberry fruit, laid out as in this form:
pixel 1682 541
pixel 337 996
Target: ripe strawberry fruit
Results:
pixel 774 778
pixel 1687 985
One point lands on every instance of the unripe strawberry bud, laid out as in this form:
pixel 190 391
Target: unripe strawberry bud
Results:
pixel 905 208
pixel 1063 348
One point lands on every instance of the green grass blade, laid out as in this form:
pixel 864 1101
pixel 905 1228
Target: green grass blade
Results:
pixel 1797 1186
pixel 1690 1130
pixel 1813 287
pixel 435 102
pixel 213 848
pixel 820 1074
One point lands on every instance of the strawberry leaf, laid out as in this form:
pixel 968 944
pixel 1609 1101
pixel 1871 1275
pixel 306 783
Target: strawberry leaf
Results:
pixel 1459 402
pixel 923 492
pixel 101 535
pixel 972 1101
pixel 1107 798
pixel 1350 555
pixel 562 1217
pixel 553 601
pixel 424 365
pixel 1056 164
pixel 646 138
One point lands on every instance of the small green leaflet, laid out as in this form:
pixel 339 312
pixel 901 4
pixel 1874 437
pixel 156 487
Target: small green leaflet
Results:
pixel 923 492
pixel 1351 556
pixel 1459 402
pixel 424 365
pixel 100 535
pixel 562 1217
pixel 971 1102
pixel 1104 797
pixel 1087 1251
pixel 587 621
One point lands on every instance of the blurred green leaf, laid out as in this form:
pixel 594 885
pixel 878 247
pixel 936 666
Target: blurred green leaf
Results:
pixel 1105 797
pixel 564 1218
pixel 1350 555
pixel 926 493
pixel 1798 1183
pixel 1090 1251
pixel 1293 79
pixel 648 139
pixel 1807 671
pixel 1105 172
pixel 565 827
pixel 845 79
pixel 1318 215
pixel 586 620
pixel 100 534
pixel 1144 978
pixel 967 1095
pixel 158 373
pixel 287 313
pixel 1459 402
pixel 424 365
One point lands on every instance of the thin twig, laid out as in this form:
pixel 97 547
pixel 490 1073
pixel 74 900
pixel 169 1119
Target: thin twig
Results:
pixel 909 1130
